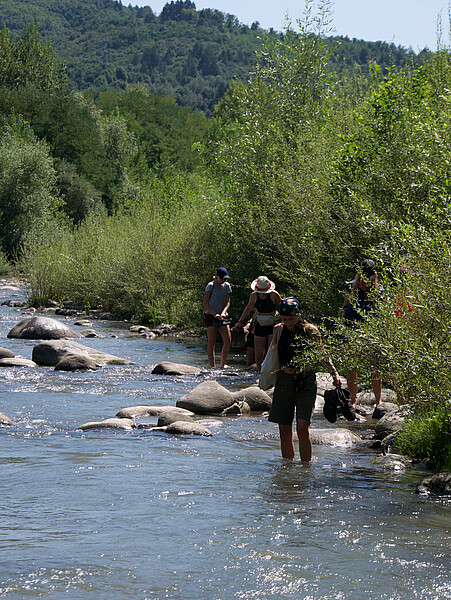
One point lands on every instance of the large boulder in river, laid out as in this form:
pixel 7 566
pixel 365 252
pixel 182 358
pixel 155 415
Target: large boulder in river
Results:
pixel 170 368
pixel 42 328
pixel 50 353
pixel 257 399
pixel 391 422
pixel 209 397
pixel 438 485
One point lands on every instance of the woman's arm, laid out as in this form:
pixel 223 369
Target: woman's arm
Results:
pixel 225 310
pixel 326 361
pixel 276 298
pixel 248 308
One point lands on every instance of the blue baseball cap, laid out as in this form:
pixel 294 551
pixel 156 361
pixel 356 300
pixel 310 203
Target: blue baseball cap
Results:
pixel 222 273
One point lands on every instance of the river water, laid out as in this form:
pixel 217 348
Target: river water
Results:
pixel 144 515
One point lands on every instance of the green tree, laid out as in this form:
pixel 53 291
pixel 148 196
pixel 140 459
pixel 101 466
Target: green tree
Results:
pixel 28 203
pixel 28 62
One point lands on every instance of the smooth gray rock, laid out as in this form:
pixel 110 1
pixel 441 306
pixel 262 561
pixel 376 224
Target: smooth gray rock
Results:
pixel 50 353
pixel 209 397
pixel 390 423
pixel 170 368
pixel 4 420
pixel 109 424
pixel 172 416
pixel 383 408
pixel 437 485
pixel 334 437
pixel 89 333
pixel 76 362
pixel 150 411
pixel 392 462
pixel 257 399
pixel 16 362
pixel 42 328
pixel 184 428
pixel 5 353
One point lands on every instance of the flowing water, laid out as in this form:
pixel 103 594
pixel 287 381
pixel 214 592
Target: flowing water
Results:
pixel 140 514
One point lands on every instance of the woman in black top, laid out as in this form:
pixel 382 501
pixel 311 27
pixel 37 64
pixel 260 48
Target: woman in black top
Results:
pixel 265 300
pixel 294 390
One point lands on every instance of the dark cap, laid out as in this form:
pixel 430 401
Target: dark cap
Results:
pixel 289 306
pixel 368 267
pixel 222 273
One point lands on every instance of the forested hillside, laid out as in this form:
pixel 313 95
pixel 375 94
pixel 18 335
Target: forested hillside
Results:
pixel 184 53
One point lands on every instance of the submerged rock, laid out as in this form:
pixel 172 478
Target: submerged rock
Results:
pixel 109 424
pixel 209 397
pixel 42 328
pixel 50 353
pixel 438 485
pixel 170 368
pixel 334 437
pixel 150 411
pixel 5 353
pixel 184 428
pixel 172 416
pixel 16 362
pixel 392 462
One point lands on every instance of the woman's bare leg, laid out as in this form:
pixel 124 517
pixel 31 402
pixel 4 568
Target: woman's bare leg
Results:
pixel 226 341
pixel 260 348
pixel 286 441
pixel 211 341
pixel 305 443
pixel 351 380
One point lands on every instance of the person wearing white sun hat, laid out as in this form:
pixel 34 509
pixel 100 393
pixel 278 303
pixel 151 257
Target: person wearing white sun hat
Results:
pixel 265 299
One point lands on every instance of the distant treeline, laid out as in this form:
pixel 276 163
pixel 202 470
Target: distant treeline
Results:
pixel 188 54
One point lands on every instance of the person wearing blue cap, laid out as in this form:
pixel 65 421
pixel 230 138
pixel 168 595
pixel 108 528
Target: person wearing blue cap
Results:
pixel 295 392
pixel 216 318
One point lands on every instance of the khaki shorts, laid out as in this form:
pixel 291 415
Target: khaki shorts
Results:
pixel 289 396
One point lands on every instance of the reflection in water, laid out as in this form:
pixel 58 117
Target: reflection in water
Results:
pixel 139 514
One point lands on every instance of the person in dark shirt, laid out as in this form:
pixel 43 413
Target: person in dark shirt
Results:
pixel 295 391
pixel 359 300
pixel 265 300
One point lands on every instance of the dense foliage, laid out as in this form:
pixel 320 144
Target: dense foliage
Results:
pixel 188 54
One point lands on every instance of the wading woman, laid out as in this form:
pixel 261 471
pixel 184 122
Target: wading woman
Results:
pixel 265 300
pixel 295 391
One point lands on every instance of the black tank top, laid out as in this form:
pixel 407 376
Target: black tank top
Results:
pixel 265 305
pixel 286 346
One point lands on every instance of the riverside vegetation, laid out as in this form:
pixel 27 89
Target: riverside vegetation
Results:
pixel 299 174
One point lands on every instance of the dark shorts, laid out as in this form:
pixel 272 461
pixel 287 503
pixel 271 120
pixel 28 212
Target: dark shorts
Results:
pixel 289 396
pixel 262 330
pixel 209 321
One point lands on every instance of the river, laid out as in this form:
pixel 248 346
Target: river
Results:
pixel 139 514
